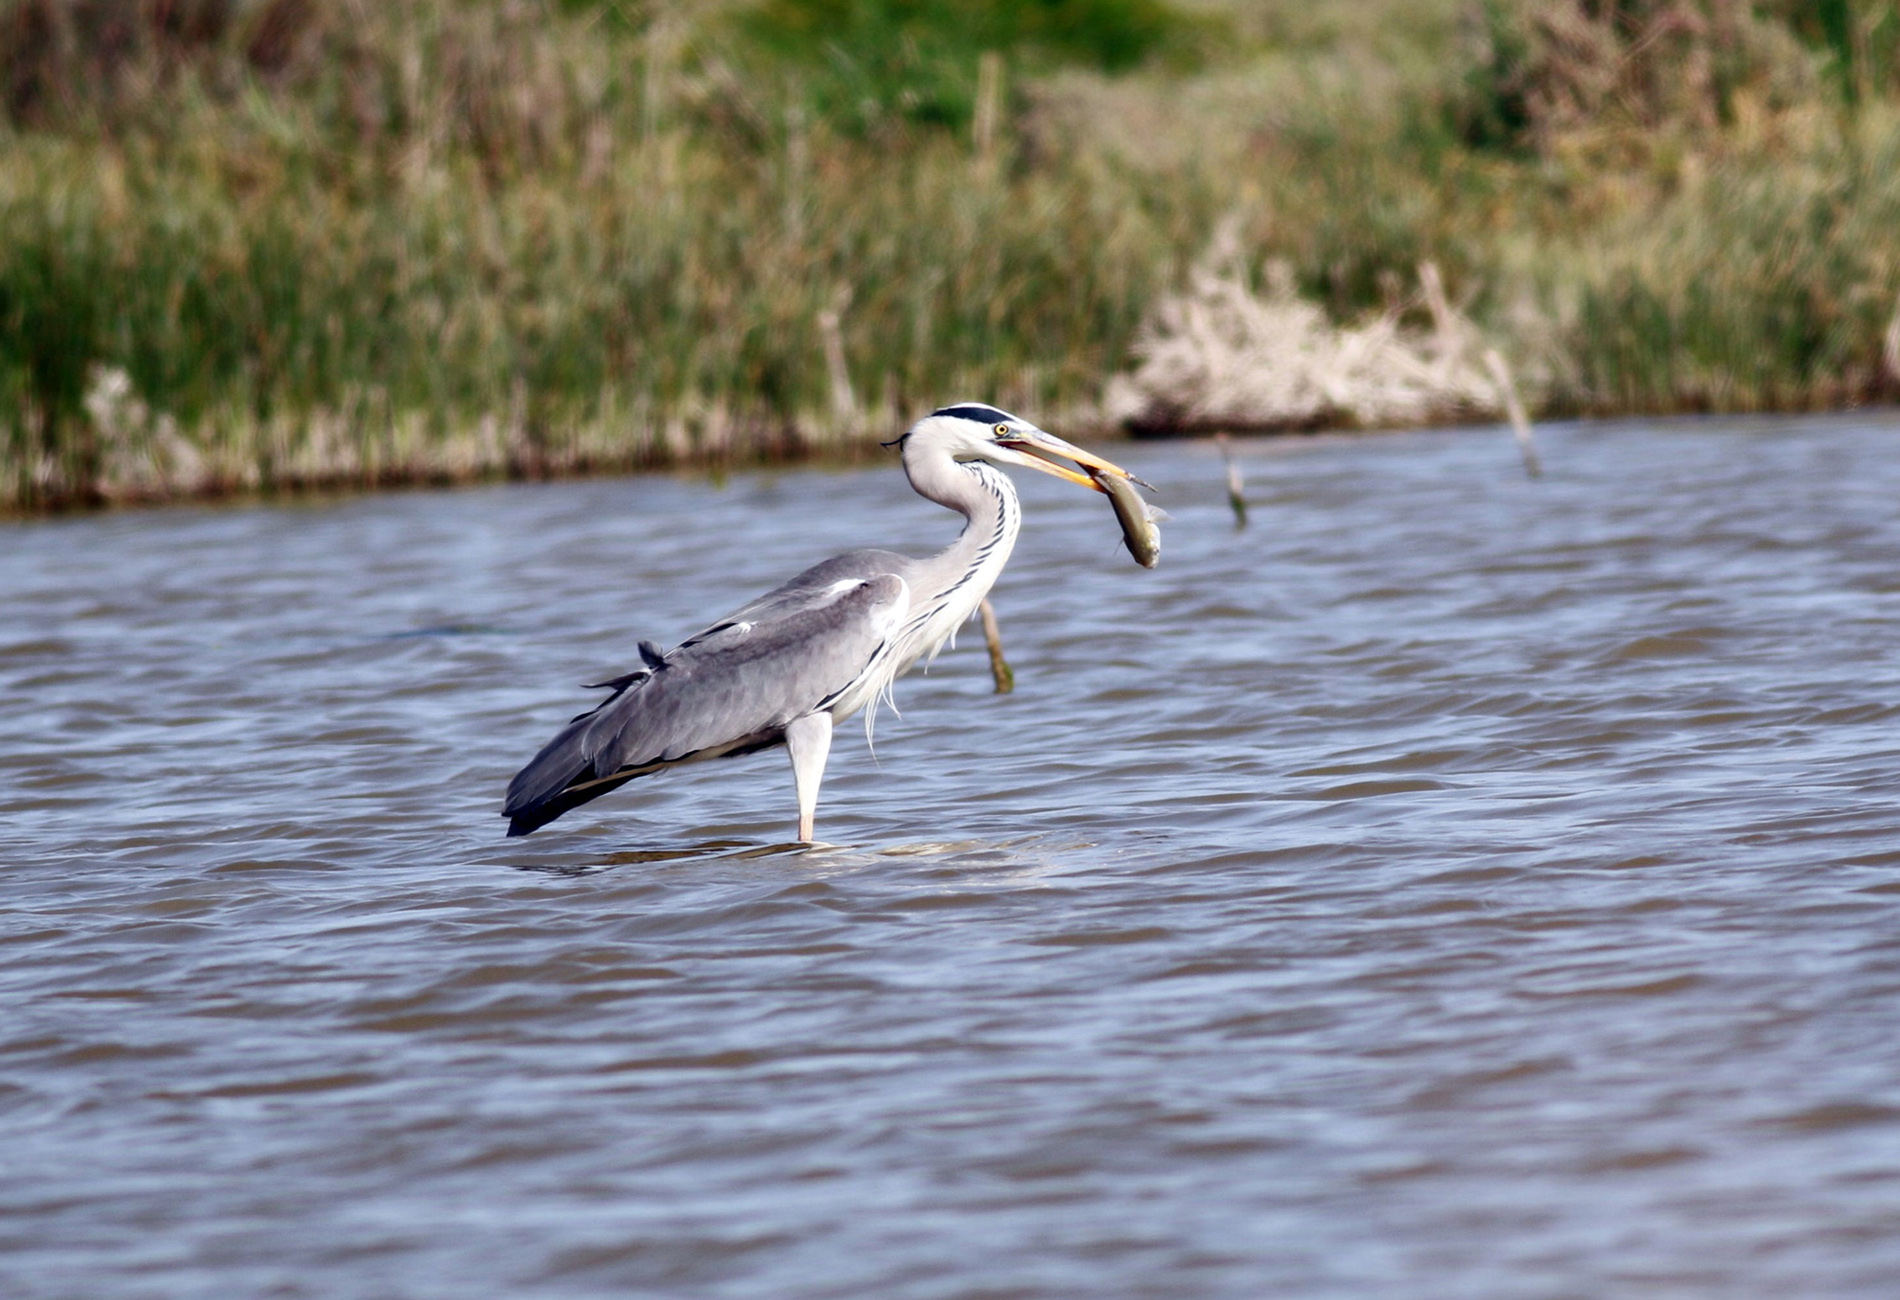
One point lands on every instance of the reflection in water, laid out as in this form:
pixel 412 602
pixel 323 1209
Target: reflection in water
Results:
pixel 1450 885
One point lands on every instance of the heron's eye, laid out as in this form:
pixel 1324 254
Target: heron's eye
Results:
pixel 1002 431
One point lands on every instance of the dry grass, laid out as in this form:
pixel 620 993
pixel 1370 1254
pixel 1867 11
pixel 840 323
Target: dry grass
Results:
pixel 1219 356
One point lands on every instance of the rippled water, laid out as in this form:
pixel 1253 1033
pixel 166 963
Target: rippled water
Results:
pixel 1449 886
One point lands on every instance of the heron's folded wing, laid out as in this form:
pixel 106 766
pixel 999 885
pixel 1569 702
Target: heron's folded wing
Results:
pixel 811 589
pixel 753 677
pixel 733 687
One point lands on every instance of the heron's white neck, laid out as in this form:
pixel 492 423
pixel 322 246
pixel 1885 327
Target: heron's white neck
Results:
pixel 956 579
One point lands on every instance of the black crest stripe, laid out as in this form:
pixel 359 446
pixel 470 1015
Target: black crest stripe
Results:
pixel 976 411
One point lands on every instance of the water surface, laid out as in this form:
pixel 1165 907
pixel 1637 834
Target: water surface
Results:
pixel 1449 886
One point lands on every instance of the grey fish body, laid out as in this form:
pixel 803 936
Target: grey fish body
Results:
pixel 1137 518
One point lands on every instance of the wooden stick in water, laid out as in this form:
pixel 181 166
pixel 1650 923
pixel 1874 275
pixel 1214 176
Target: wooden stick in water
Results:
pixel 1236 487
pixel 993 637
pixel 1514 409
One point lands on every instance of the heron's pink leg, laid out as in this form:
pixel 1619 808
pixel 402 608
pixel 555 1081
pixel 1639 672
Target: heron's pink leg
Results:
pixel 809 741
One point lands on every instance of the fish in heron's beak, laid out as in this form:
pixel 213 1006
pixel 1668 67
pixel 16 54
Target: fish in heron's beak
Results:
pixel 1141 522
pixel 1138 519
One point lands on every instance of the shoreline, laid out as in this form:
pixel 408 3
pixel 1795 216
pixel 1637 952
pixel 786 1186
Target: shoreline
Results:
pixel 828 454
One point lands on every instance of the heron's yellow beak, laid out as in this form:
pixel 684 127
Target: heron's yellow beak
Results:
pixel 1046 448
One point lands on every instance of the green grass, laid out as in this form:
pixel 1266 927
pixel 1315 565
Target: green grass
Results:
pixel 441 241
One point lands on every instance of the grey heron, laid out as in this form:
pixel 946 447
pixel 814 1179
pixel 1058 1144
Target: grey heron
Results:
pixel 805 656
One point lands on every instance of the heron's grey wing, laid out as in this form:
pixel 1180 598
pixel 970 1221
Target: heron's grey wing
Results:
pixel 730 689
pixel 755 675
pixel 792 597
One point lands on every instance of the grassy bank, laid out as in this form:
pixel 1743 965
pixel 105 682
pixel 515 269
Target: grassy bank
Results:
pixel 304 243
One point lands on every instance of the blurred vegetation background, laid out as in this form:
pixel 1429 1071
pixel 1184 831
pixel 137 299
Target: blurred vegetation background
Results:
pixel 264 243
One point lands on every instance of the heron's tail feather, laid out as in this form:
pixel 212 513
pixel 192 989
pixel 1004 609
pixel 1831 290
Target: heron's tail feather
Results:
pixel 573 768
pixel 638 731
pixel 533 817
